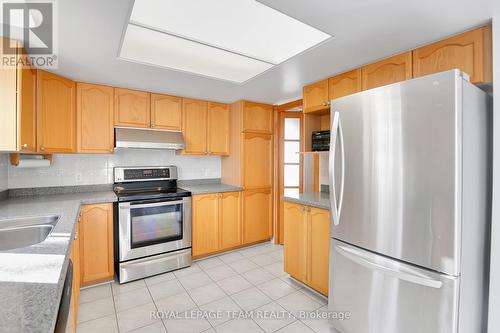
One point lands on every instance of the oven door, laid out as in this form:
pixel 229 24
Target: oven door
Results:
pixel 152 227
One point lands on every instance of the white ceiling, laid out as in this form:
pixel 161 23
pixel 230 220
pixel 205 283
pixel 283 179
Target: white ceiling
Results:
pixel 90 33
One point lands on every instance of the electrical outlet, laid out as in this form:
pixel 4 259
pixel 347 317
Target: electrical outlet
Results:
pixel 78 177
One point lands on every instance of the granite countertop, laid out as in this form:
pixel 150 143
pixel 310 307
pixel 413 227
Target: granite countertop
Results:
pixel 210 188
pixel 316 199
pixel 32 278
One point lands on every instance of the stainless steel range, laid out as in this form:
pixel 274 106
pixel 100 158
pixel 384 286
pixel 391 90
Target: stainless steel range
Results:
pixel 152 222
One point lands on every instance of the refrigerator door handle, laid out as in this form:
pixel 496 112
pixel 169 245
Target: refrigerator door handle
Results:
pixel 331 167
pixel 342 179
pixel 408 274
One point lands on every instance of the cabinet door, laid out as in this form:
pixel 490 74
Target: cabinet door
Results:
pixel 26 105
pixel 132 108
pixel 257 160
pixel 166 112
pixel 194 126
pixel 387 71
pixel 96 243
pixel 75 258
pixel 295 240
pixel 319 249
pixel 218 129
pixel 56 113
pixel 469 52
pixel 344 84
pixel 230 219
pixel 94 118
pixel 205 224
pixel 315 96
pixel 8 113
pixel 257 215
pixel 257 118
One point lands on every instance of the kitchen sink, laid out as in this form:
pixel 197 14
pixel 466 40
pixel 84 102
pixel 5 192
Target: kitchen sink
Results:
pixel 25 231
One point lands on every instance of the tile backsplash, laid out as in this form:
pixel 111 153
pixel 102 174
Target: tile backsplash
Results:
pixel 3 172
pixel 98 169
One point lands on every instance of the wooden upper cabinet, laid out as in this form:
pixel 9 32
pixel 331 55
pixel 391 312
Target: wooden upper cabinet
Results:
pixel 257 160
pixel 166 112
pixel 94 118
pixel 257 215
pixel 344 84
pixel 26 104
pixel 295 240
pixel 96 243
pixel 218 128
pixel 469 52
pixel 56 113
pixel 132 108
pixel 194 125
pixel 205 223
pixel 318 256
pixel 230 219
pixel 391 70
pixel 316 97
pixel 257 117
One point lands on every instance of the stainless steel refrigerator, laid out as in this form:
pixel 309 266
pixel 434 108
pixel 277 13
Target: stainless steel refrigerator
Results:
pixel 410 206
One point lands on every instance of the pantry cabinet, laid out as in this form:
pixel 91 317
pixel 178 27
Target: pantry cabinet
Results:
pixel 132 108
pixel 94 118
pixel 257 215
pixel 257 161
pixel 56 113
pixel 391 70
pixel 166 112
pixel 96 243
pixel 216 222
pixel 307 244
pixel 218 129
pixel 257 117
pixel 344 84
pixel 470 52
pixel 316 97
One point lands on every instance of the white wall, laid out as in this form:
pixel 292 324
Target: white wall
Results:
pixel 98 169
pixel 494 307
pixel 3 172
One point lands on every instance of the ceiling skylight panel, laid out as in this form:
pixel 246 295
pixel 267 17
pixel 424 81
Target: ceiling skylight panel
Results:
pixel 152 47
pixel 246 27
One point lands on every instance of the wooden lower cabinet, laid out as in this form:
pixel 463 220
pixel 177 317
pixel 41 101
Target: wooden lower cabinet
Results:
pixel 75 289
pixel 216 222
pixel 307 245
pixel 96 243
pixel 230 220
pixel 295 217
pixel 257 215
pixel 319 249
pixel 205 224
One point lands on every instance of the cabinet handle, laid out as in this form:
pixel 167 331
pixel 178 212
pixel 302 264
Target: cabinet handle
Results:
pixel 42 148
pixel 326 103
pixel 24 145
pixel 152 126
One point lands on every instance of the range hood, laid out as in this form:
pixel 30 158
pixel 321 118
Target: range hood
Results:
pixel 148 139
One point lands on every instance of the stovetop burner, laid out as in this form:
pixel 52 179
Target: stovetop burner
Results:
pixel 132 184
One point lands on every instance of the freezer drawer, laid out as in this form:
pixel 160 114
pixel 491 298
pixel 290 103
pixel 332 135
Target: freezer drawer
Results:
pixel 385 295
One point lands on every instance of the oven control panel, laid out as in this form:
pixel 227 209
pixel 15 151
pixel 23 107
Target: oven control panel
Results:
pixel 144 174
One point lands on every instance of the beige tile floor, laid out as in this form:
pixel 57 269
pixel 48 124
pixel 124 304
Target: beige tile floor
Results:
pixel 250 279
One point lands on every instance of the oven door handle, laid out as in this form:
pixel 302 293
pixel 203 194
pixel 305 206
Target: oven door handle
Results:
pixel 157 204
